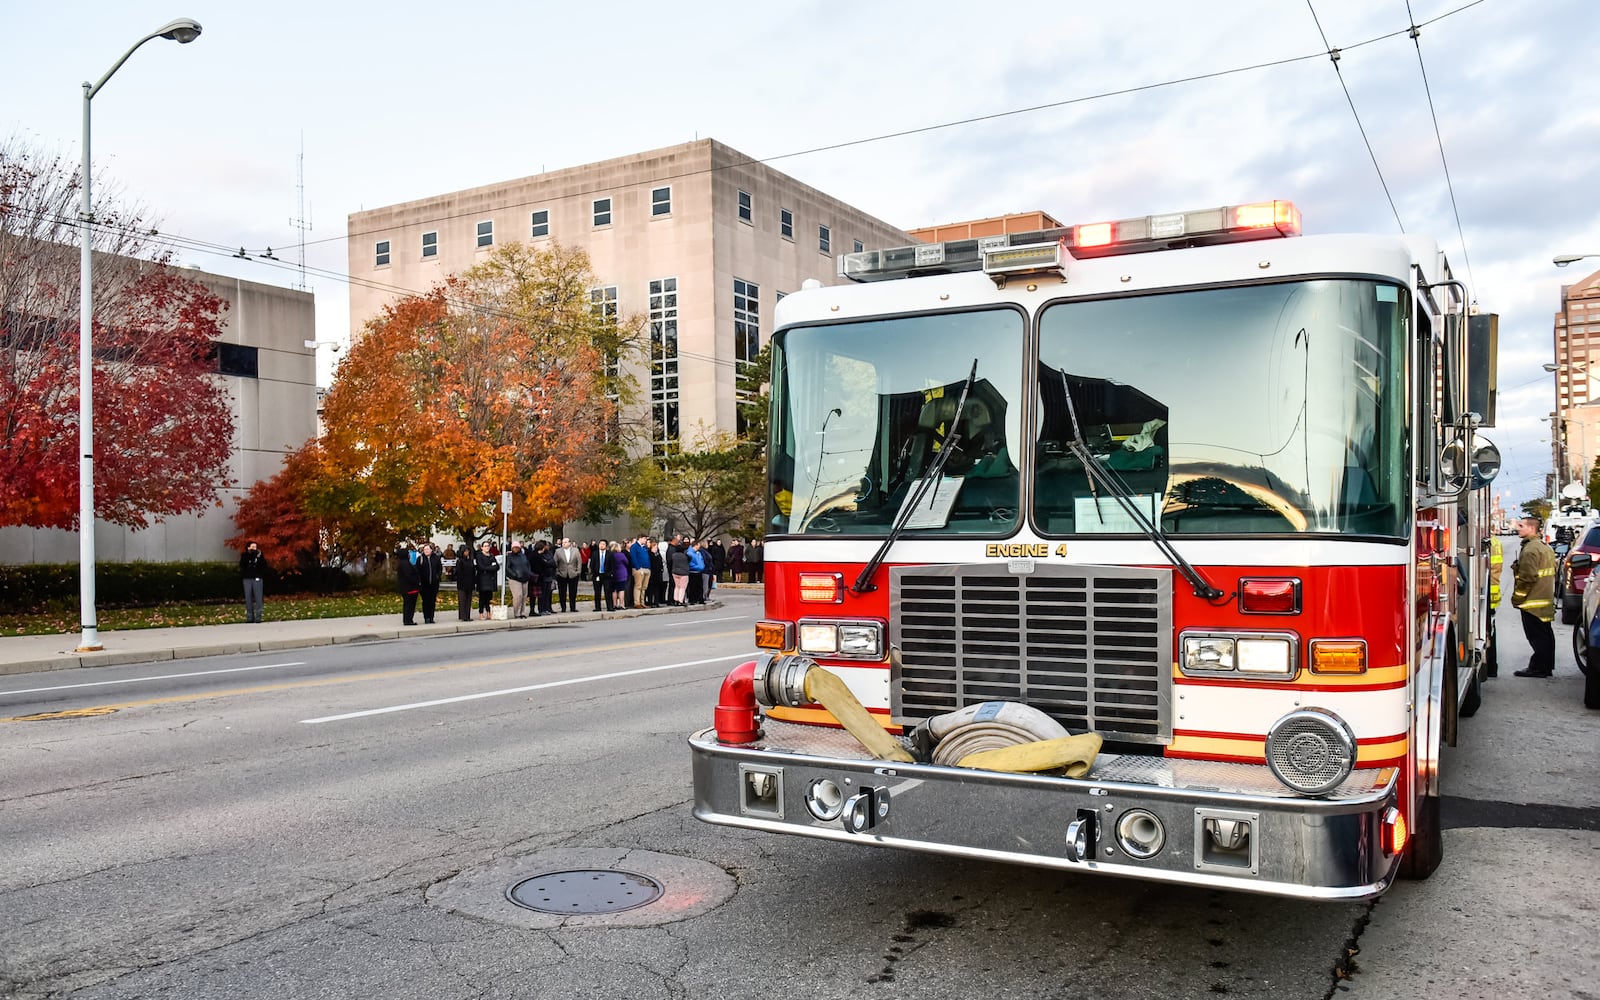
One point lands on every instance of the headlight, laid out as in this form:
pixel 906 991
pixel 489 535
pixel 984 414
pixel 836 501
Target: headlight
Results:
pixel 819 638
pixel 855 640
pixel 1272 655
pixel 1265 656
pixel 1207 653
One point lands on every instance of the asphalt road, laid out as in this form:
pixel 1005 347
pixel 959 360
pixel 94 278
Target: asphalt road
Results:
pixel 346 822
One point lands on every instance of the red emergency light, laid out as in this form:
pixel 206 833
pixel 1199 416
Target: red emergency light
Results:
pixel 1051 249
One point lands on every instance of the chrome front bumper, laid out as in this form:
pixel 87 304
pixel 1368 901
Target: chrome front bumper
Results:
pixel 1326 848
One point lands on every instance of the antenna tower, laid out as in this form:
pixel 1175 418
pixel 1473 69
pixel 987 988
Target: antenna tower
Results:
pixel 302 222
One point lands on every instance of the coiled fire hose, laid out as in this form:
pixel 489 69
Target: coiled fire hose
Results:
pixel 1008 736
pixel 993 736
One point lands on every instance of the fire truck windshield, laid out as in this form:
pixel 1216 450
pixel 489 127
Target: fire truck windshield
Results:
pixel 1262 409
pixel 862 410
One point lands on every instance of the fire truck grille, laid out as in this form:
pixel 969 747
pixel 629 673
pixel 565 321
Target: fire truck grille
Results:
pixel 1091 646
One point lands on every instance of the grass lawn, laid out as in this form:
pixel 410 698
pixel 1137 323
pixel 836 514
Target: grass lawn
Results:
pixel 63 618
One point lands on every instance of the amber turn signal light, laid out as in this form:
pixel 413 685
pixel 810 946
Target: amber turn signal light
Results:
pixel 1338 656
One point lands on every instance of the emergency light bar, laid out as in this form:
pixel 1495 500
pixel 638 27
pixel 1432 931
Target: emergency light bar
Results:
pixel 1051 249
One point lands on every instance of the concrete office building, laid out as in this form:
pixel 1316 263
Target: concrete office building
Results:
pixel 1577 375
pixel 698 239
pixel 270 376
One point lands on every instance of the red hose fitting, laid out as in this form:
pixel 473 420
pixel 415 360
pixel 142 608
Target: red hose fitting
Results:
pixel 735 718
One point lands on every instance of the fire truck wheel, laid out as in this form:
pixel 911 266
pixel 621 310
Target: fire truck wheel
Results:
pixel 1426 848
pixel 1474 699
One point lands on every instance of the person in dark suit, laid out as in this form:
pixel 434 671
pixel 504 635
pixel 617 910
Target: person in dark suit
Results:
pixel 408 579
pixel 488 571
pixel 466 582
pixel 430 572
pixel 600 572
pixel 543 561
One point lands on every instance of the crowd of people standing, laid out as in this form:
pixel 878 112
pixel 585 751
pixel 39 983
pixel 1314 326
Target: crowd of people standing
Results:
pixel 543 576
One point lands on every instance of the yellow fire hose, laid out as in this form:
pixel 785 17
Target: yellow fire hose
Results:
pixel 993 736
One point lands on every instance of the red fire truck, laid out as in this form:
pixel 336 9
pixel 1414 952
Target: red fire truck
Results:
pixel 1208 496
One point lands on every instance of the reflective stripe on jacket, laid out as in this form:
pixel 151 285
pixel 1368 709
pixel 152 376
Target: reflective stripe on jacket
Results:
pixel 1497 562
pixel 1535 577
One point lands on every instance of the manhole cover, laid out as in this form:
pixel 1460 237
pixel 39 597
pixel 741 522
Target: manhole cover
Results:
pixel 592 891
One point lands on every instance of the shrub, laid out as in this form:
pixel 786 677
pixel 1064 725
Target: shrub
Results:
pixel 144 584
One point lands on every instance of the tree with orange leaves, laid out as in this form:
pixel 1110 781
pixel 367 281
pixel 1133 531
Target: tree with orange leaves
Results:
pixel 506 377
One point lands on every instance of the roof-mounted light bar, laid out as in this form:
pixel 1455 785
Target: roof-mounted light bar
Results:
pixel 1206 227
pixel 1051 249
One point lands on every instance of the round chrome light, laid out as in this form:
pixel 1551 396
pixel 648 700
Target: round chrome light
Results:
pixel 1140 834
pixel 1311 750
pixel 825 800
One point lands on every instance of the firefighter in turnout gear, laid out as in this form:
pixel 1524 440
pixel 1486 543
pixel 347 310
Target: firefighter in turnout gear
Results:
pixel 1497 562
pixel 1534 596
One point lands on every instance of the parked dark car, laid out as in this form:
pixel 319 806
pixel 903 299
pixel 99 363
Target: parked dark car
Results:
pixel 1572 576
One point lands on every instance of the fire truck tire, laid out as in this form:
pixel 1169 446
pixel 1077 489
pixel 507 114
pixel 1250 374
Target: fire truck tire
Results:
pixel 1426 848
pixel 1474 698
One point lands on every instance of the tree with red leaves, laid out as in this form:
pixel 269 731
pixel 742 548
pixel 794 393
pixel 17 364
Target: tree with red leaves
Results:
pixel 163 423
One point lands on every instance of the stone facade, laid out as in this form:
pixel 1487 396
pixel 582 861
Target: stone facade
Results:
pixel 698 239
pixel 275 412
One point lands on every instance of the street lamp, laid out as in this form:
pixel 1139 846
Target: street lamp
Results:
pixel 183 31
pixel 1562 260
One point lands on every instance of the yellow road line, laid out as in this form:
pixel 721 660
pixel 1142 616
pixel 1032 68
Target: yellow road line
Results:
pixel 356 678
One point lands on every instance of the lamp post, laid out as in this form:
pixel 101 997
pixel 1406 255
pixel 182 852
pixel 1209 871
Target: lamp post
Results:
pixel 183 31
pixel 1562 260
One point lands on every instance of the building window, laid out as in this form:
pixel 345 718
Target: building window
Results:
pixel 746 320
pixel 380 254
pixel 602 211
pixel 660 202
pixel 824 240
pixel 786 223
pixel 603 304
pixel 746 342
pixel 664 364
pixel 236 359
pixel 485 234
pixel 540 223
pixel 746 209
pixel 430 244
pixel 859 246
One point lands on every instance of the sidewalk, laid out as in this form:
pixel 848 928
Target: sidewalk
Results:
pixel 25 654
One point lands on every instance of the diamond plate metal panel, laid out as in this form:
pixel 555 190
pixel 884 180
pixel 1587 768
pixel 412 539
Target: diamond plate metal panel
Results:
pixel 1091 646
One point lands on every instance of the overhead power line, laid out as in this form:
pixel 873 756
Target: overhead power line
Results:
pixel 1415 32
pixel 1333 56
pixel 1067 102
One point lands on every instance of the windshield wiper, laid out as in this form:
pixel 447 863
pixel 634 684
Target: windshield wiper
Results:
pixel 864 584
pixel 1113 484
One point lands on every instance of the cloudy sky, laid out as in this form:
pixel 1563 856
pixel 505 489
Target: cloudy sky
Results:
pixel 401 100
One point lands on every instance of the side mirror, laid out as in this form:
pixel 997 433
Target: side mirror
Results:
pixel 1485 461
pixel 1453 465
pixel 1580 560
pixel 1461 471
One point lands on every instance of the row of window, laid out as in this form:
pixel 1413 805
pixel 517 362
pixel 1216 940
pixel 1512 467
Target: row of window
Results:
pixel 601 213
pixel 663 319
